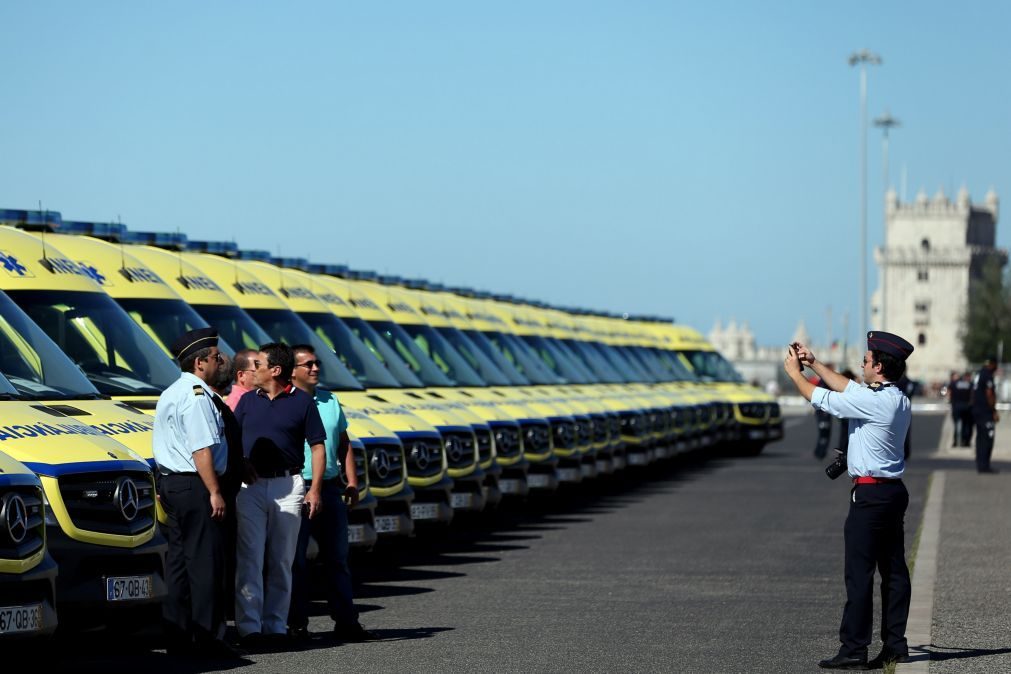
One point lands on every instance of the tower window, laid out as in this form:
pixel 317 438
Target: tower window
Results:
pixel 922 339
pixel 925 245
pixel 922 275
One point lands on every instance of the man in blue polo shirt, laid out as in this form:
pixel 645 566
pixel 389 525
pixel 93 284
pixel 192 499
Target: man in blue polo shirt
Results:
pixel 330 528
pixel 277 421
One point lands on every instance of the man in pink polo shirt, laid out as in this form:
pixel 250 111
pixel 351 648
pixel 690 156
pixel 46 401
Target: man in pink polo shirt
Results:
pixel 242 372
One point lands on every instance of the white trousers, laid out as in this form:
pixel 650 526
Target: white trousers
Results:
pixel 269 516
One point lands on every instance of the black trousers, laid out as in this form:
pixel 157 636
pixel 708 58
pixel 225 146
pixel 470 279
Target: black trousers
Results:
pixel 824 421
pixel 985 428
pixel 964 423
pixel 195 561
pixel 874 539
pixel 330 529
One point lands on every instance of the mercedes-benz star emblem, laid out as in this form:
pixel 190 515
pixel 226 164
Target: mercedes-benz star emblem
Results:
pixel 127 498
pixel 420 454
pixel 381 464
pixel 454 450
pixel 15 514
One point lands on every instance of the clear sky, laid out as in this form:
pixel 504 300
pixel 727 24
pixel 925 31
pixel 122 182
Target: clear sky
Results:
pixel 698 160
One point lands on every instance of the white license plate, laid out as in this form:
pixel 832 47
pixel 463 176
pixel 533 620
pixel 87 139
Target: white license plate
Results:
pixel 509 486
pixel 661 453
pixel 637 459
pixel 586 470
pixel 538 480
pixel 356 533
pixel 388 524
pixel 569 474
pixel 756 434
pixel 461 500
pixel 14 619
pixel 681 446
pixel 603 466
pixel 425 511
pixel 127 588
pixel 619 462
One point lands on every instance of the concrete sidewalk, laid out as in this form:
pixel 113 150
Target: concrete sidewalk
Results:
pixel 960 619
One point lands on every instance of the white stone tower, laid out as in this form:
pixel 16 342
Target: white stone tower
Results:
pixel 934 251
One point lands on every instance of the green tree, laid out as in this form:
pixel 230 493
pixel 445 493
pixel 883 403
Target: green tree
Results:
pixel 988 320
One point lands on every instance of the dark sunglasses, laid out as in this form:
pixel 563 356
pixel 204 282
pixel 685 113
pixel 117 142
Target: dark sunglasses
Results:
pixel 310 364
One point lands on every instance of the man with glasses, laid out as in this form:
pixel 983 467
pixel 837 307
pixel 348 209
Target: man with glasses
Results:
pixel 242 376
pixel 278 420
pixel 330 527
pixel 879 416
pixel 191 451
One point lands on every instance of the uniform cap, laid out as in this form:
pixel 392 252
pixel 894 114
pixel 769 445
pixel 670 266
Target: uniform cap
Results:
pixel 888 343
pixel 190 342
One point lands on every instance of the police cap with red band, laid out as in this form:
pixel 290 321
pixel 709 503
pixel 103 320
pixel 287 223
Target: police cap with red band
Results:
pixel 886 342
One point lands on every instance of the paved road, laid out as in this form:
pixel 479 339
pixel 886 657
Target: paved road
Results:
pixel 726 565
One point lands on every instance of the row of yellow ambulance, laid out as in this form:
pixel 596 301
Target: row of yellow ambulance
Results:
pixel 455 398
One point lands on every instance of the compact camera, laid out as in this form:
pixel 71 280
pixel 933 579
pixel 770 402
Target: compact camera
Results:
pixel 837 467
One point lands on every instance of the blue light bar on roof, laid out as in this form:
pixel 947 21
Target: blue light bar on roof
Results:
pixel 109 231
pixel 258 255
pixel 339 270
pixel 171 240
pixel 48 220
pixel 290 262
pixel 223 248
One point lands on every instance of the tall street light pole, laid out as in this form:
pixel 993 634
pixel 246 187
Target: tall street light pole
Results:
pixel 885 122
pixel 862 58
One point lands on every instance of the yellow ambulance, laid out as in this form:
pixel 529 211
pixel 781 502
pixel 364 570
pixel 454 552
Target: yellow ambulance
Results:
pixel 202 296
pixel 98 495
pixel 27 571
pixel 757 416
pixel 381 368
pixel 460 430
pixel 423 447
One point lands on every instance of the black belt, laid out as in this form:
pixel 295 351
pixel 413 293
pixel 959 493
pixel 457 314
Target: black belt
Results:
pixel 284 472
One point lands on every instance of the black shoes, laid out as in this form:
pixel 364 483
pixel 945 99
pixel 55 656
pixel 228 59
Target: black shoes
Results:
pixel 887 656
pixel 353 633
pixel 299 635
pixel 988 470
pixel 845 662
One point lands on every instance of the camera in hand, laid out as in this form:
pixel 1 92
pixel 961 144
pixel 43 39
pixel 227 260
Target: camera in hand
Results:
pixel 837 467
pixel 796 349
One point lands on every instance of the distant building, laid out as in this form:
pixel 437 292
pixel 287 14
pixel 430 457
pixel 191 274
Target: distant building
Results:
pixel 763 365
pixel 934 251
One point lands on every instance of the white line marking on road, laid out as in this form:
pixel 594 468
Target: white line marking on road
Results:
pixel 921 608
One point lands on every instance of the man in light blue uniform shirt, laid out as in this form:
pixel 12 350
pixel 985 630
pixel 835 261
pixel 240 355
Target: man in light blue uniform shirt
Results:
pixel 879 416
pixel 192 454
pixel 330 526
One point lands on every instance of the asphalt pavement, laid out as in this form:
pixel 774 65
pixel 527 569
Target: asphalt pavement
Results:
pixel 711 565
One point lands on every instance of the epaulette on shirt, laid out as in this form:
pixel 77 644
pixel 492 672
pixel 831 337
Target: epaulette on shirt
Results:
pixel 198 390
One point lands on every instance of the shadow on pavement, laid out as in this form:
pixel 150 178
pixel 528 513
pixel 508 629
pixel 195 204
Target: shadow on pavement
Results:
pixel 939 653
pixel 411 633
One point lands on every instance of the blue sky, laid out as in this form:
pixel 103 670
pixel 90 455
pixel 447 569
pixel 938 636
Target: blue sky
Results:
pixel 696 160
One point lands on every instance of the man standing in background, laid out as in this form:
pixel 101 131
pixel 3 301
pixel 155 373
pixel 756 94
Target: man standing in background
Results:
pixel 330 527
pixel 984 410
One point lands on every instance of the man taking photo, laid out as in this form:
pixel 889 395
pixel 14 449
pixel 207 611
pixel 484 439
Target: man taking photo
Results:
pixel 879 416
